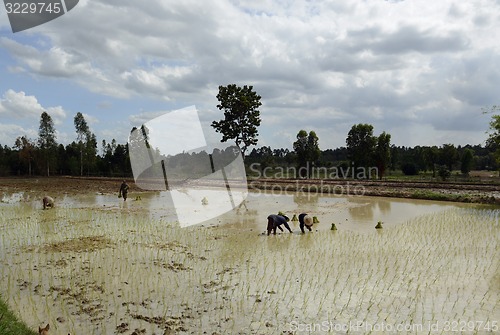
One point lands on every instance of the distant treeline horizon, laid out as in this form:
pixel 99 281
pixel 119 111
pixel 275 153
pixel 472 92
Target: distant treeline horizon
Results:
pixel 113 160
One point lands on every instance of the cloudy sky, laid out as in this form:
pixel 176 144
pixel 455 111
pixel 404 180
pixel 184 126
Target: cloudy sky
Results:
pixel 419 70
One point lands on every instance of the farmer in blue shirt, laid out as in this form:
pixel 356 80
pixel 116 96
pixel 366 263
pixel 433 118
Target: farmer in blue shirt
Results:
pixel 275 221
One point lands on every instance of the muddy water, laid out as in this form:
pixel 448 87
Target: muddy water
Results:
pixel 359 214
pixel 98 265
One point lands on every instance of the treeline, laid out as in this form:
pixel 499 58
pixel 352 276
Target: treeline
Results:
pixel 44 156
pixel 82 157
pixel 407 160
pixel 65 160
pixel 114 161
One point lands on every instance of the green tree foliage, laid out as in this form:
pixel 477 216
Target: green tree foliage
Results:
pixel 265 157
pixel 91 151
pixel 307 151
pixel 444 172
pixel 394 157
pixel 26 149
pixel 8 161
pixel 241 115
pixel 361 145
pixel 495 129
pixel 430 156
pixel 467 161
pixel 409 169
pixel 383 153
pixel 82 135
pixel 87 143
pixel 47 140
pixel 449 155
pixel 313 146
pixel 300 149
pixel 494 134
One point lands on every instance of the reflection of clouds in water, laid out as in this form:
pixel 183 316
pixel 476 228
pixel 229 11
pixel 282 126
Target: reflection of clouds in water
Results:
pixel 348 213
pixel 364 212
pixel 306 198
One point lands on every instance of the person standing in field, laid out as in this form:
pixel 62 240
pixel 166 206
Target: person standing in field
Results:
pixel 123 191
pixel 275 221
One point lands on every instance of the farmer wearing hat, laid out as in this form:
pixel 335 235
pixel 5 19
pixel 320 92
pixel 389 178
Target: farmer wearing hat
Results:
pixel 48 202
pixel 275 221
pixel 305 220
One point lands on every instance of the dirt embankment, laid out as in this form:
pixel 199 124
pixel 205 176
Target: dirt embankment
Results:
pixel 65 185
pixel 449 191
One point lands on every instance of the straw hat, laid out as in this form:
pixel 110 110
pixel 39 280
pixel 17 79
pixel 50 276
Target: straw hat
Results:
pixel 308 221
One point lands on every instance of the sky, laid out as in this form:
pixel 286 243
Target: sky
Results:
pixel 421 71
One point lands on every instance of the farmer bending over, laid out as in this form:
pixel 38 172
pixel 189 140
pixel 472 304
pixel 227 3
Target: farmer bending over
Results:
pixel 48 202
pixel 275 221
pixel 305 221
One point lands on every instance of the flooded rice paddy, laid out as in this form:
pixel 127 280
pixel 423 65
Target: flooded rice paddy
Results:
pixel 98 265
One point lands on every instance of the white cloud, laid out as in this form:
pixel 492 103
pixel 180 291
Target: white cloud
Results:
pixel 327 65
pixel 9 133
pixel 18 105
pixel 20 114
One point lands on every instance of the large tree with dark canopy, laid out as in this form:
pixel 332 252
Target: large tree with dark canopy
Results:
pixel 241 115
pixel 307 151
pixel 361 145
pixel 383 153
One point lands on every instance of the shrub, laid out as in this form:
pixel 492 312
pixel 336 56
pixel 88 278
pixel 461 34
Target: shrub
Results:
pixel 409 169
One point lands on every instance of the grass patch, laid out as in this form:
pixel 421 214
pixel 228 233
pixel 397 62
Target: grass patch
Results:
pixel 430 195
pixel 9 324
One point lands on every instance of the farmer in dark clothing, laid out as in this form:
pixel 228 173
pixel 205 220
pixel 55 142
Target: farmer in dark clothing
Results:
pixel 305 221
pixel 275 221
pixel 48 202
pixel 123 190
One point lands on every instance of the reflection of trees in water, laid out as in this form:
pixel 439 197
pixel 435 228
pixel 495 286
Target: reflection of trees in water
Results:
pixel 362 212
pixel 384 206
pixel 306 198
pixel 367 208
